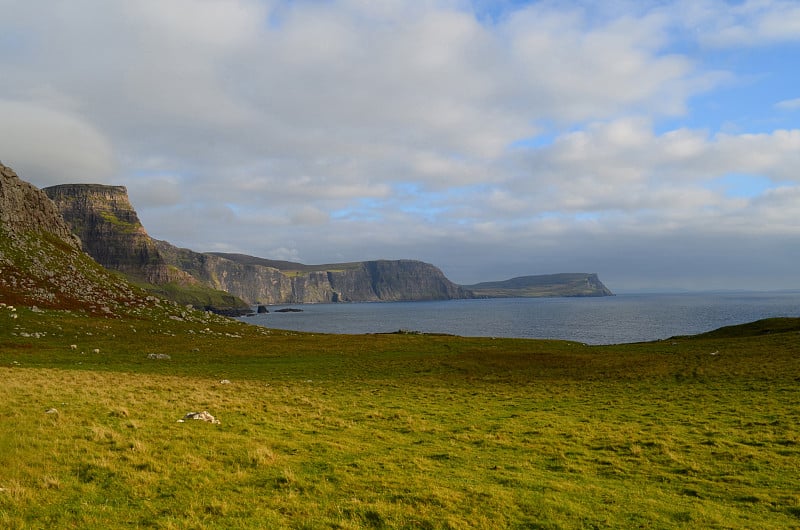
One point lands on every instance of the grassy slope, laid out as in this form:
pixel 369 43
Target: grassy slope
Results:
pixel 197 295
pixel 390 430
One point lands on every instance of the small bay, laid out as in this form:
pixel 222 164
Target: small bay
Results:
pixel 603 320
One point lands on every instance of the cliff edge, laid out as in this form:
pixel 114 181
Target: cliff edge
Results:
pixel 105 221
pixel 103 217
pixel 360 281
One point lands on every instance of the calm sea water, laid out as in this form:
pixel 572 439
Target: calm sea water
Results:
pixel 605 320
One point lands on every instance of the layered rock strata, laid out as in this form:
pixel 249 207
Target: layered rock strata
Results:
pixel 105 221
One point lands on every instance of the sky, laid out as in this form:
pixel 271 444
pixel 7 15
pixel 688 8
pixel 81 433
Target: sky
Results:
pixel 654 142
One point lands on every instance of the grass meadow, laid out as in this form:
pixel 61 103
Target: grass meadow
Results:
pixel 391 431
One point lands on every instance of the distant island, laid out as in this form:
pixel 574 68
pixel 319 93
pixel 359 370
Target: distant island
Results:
pixel 564 284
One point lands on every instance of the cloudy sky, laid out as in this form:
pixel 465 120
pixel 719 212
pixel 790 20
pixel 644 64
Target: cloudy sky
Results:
pixel 655 142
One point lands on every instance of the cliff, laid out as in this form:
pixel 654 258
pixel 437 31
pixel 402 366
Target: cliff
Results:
pixel 109 227
pixel 41 261
pixel 104 219
pixel 564 284
pixel 364 281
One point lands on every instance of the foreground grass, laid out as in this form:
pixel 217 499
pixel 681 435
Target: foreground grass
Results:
pixel 391 431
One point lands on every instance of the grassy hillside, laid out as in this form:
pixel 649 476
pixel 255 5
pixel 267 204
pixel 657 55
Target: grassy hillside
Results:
pixel 197 295
pixel 389 431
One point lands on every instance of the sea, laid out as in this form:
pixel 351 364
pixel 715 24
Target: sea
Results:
pixel 616 319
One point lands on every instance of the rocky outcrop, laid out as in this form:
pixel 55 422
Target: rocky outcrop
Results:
pixel 41 261
pixel 24 208
pixel 564 284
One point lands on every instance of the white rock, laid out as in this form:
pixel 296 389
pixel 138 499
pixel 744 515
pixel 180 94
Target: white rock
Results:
pixel 202 416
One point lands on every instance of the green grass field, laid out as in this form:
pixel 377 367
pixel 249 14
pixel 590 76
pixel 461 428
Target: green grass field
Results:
pixel 391 431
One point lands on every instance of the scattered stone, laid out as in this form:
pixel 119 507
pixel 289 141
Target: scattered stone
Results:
pixel 202 416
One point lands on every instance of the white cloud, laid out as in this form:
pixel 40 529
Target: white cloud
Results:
pixel 309 215
pixel 51 146
pixel 748 23
pixel 212 25
pixel 352 130
pixel 789 104
pixel 159 190
pixel 777 211
pixel 283 253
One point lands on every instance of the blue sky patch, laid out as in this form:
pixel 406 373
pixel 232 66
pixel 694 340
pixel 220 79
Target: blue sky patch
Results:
pixel 738 185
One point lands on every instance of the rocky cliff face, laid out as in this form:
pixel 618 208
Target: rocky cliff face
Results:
pixel 41 261
pixel 400 280
pixel 104 219
pixel 24 208
pixel 368 281
pixel 254 284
